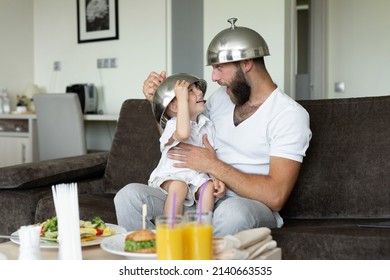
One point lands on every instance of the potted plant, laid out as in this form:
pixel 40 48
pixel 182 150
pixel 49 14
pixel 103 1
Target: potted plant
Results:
pixel 22 103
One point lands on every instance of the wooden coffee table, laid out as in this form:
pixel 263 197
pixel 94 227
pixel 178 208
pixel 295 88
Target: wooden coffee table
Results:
pixel 11 251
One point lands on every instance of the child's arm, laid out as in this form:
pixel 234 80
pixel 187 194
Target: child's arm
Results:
pixel 183 128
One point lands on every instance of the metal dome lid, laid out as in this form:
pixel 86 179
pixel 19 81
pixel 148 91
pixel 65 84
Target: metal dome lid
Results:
pixel 235 44
pixel 165 94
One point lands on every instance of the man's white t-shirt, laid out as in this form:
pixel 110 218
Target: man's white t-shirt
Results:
pixel 280 127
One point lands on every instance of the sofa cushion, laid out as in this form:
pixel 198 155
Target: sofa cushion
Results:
pixel 18 207
pixel 336 239
pixel 90 206
pixel 135 149
pixel 51 172
pixel 346 171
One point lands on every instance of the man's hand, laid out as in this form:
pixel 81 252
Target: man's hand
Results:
pixel 193 157
pixel 273 189
pixel 151 84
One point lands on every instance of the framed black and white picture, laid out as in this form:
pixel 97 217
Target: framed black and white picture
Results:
pixel 97 20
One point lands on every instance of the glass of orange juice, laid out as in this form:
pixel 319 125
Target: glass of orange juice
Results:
pixel 198 236
pixel 169 237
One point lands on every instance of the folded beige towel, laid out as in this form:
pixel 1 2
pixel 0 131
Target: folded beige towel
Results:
pixel 241 240
pixel 245 245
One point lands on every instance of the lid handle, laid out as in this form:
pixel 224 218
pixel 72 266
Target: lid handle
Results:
pixel 232 21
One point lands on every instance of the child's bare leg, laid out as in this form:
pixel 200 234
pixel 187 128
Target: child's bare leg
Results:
pixel 178 187
pixel 208 198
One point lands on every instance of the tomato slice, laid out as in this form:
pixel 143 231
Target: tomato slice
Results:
pixel 99 231
pixel 42 228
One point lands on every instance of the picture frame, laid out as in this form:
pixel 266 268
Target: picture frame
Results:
pixel 97 20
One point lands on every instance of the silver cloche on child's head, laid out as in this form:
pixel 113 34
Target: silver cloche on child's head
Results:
pixel 165 94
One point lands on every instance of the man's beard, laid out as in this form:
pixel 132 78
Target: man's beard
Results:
pixel 240 89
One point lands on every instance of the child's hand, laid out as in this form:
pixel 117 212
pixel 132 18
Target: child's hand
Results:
pixel 219 188
pixel 181 89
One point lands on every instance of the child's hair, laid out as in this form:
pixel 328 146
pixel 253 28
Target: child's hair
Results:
pixel 168 114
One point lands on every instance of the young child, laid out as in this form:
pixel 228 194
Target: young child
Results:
pixel 182 121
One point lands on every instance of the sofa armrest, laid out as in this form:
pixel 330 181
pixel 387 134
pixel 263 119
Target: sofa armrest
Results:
pixel 51 172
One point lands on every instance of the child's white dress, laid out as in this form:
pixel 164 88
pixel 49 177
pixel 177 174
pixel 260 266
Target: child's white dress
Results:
pixel 165 170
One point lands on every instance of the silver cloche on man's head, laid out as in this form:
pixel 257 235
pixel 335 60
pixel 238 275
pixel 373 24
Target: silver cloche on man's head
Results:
pixel 165 94
pixel 235 44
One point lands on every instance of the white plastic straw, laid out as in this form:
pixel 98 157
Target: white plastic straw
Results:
pixel 66 203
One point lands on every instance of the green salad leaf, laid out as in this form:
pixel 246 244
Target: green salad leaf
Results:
pixel 98 222
pixel 50 228
pixel 132 246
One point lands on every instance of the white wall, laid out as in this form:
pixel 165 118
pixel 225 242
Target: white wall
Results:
pixel 140 48
pixel 35 33
pixel 264 16
pixel 47 32
pixel 16 46
pixel 359 47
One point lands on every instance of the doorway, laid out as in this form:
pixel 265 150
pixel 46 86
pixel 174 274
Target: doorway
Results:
pixel 307 47
pixel 302 77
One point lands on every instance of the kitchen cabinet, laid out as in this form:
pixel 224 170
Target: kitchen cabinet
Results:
pixel 17 139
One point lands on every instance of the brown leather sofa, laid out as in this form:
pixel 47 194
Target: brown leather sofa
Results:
pixel 344 181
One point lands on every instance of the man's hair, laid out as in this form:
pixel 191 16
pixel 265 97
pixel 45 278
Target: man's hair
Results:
pixel 259 62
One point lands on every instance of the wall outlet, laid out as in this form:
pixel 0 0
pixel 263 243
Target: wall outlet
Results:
pixel 339 87
pixel 57 66
pixel 107 63
pixel 100 63
pixel 113 63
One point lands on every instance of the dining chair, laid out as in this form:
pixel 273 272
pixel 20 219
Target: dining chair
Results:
pixel 60 125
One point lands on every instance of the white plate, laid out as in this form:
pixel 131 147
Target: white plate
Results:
pixel 47 244
pixel 116 245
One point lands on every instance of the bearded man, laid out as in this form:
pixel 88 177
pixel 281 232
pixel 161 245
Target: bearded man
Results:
pixel 262 137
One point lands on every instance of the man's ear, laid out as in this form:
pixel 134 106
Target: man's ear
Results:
pixel 246 65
